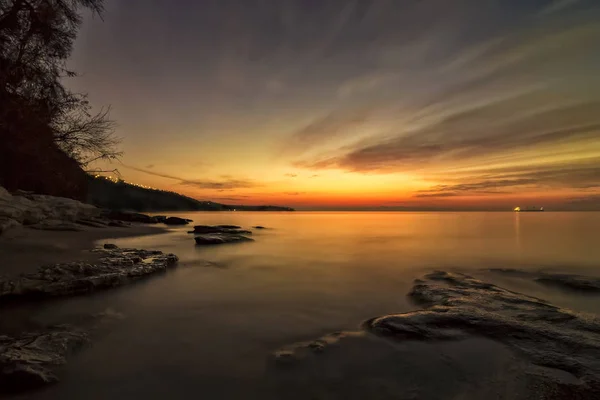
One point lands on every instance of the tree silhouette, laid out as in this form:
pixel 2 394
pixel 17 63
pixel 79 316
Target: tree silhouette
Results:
pixel 36 39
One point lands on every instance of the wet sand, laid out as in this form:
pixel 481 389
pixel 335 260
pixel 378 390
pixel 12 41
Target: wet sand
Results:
pixel 23 250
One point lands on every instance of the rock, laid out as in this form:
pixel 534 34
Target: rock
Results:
pixel 110 246
pixel 284 357
pixel 572 282
pixel 220 238
pixel 7 223
pixel 27 362
pixel 259 227
pixel 220 229
pixel 458 305
pixel 294 352
pixel 160 218
pixel 116 267
pixel 29 209
pixel 176 221
pixel 131 217
pixel 5 194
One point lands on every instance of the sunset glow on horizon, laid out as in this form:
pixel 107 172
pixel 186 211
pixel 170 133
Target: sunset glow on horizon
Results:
pixel 427 104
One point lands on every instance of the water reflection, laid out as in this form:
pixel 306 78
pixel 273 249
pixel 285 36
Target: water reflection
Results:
pixel 208 326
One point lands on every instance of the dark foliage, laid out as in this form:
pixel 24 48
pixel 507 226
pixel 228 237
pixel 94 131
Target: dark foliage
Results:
pixel 47 132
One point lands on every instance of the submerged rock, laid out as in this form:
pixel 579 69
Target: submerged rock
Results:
pixel 116 267
pixel 565 281
pixel 27 362
pixel 220 229
pixel 294 352
pixel 459 305
pixel 259 227
pixel 572 282
pixel 220 238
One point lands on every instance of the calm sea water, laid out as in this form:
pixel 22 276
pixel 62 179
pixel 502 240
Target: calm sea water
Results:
pixel 206 328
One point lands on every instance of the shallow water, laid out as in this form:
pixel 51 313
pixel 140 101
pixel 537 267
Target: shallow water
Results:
pixel 207 328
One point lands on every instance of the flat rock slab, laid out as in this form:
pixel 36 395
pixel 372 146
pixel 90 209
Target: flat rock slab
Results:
pixel 220 229
pixel 116 267
pixel 220 238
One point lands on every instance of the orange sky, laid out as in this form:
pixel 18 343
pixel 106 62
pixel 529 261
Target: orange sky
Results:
pixel 416 105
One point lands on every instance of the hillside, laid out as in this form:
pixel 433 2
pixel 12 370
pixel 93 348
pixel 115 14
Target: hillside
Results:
pixel 119 195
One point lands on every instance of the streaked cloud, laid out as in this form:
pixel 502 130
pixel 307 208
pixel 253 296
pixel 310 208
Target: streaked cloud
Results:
pixel 323 129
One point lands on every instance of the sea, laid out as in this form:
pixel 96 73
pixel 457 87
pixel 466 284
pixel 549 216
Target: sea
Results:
pixel 209 328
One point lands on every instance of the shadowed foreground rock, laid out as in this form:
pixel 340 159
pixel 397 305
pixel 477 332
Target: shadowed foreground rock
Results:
pixel 459 306
pixel 27 362
pixel 116 267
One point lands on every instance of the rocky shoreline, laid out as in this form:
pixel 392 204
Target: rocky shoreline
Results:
pixel 561 345
pixel 29 360
pixel 52 213
pixel 116 267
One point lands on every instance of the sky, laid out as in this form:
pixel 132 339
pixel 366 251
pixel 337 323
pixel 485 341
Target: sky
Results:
pixel 353 104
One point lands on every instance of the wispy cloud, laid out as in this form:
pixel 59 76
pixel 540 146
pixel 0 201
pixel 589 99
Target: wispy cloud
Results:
pixel 582 177
pixel 325 129
pixel 294 193
pixel 291 175
pixel 226 183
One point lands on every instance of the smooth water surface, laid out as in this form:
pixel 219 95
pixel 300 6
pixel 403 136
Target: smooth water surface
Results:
pixel 206 329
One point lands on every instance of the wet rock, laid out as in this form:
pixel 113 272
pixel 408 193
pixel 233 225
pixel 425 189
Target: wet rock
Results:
pixel 130 217
pixel 459 305
pixel 116 267
pixel 220 229
pixel 284 357
pixel 110 246
pixel 160 218
pixel 220 238
pixel 7 223
pixel 176 221
pixel 259 227
pixel 289 354
pixel 572 282
pixel 27 362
